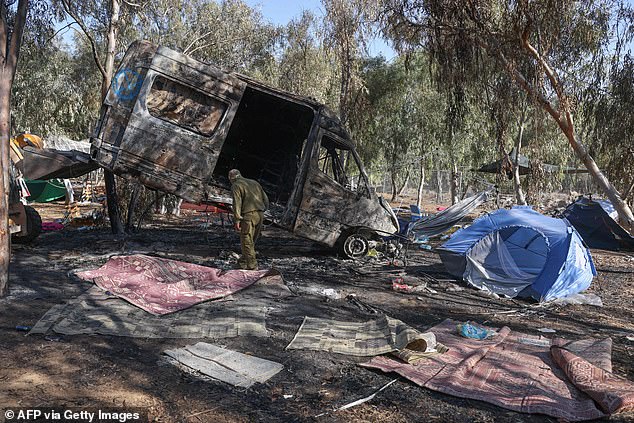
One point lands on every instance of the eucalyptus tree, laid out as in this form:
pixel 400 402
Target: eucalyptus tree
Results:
pixel 554 39
pixel 305 66
pixel 611 125
pixel 13 20
pixel 52 92
pixel 100 22
pixel 229 33
pixel 397 120
pixel 349 24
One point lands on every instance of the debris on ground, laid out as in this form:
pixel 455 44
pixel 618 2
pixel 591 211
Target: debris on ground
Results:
pixel 228 366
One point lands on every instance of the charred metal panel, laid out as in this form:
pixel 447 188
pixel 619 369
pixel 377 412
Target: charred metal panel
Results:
pixel 327 209
pixel 49 164
pixel 166 120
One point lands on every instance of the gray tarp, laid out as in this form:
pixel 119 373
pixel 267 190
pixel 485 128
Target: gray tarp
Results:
pixel 440 222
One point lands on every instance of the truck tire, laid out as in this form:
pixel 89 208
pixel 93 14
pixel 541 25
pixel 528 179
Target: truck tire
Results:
pixel 354 245
pixel 33 226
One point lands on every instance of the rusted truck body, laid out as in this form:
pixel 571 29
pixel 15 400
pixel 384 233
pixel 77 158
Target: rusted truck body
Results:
pixel 179 125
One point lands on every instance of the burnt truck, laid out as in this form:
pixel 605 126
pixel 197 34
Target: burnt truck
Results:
pixel 179 125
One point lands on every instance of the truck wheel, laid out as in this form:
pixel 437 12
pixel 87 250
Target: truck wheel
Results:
pixel 354 246
pixel 33 226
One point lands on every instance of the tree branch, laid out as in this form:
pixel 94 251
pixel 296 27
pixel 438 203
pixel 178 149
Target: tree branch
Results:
pixel 186 51
pixel 550 72
pixel 58 31
pixel 84 30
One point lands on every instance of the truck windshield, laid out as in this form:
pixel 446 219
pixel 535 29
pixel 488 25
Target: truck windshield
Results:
pixel 338 162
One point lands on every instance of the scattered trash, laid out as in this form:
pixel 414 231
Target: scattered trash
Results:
pixel 589 299
pixel 331 293
pixel 630 338
pixel 454 288
pixel 425 247
pixel 359 401
pixel 53 338
pixel 401 287
pixel 473 331
pixel 352 299
pixel 287 396
pixel 21 328
pixel 228 366
pixel 537 342
pixel 546 330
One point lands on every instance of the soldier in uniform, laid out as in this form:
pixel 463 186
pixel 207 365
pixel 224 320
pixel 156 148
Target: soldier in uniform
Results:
pixel 249 203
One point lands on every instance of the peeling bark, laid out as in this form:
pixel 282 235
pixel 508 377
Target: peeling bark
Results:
pixel 454 184
pixel 421 183
pixel 519 194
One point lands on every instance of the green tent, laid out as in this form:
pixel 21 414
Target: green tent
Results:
pixel 45 191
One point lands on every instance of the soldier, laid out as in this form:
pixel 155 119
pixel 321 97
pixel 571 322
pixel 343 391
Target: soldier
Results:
pixel 249 203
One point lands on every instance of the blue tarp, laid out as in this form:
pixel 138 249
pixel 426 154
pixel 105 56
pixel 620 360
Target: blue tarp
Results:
pixel 520 252
pixel 595 221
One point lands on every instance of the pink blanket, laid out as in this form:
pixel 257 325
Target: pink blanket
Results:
pixel 161 286
pixel 518 372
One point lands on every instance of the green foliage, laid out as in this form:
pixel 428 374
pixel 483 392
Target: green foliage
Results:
pixel 53 94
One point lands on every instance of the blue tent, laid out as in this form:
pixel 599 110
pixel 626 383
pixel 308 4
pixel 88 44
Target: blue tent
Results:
pixel 520 252
pixel 597 225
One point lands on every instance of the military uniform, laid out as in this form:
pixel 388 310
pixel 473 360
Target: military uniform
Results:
pixel 249 203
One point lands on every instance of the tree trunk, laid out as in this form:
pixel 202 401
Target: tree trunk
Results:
pixel 114 214
pixel 134 200
pixel 454 184
pixel 394 187
pixel 438 186
pixel 519 194
pixel 113 31
pixel 404 185
pixel 10 43
pixel 421 183
pixel 5 134
pixel 113 203
pixel 626 218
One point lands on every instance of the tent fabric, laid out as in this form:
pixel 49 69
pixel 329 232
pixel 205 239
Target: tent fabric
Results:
pixel 444 220
pixel 45 191
pixel 505 165
pixel 520 252
pixel 596 223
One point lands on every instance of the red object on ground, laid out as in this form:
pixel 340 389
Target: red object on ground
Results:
pixel 161 286
pixel 52 226
pixel 206 208
pixel 441 208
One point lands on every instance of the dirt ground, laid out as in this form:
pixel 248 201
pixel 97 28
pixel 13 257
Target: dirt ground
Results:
pixel 109 371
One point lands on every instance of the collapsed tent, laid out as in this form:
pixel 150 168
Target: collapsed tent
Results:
pixel 440 222
pixel 597 224
pixel 505 165
pixel 520 252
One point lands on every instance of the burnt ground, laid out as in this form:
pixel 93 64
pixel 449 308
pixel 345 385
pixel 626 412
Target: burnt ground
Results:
pixel 108 371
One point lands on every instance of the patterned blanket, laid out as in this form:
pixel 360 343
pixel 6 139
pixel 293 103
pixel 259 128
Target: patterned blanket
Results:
pixel 518 372
pixel 161 286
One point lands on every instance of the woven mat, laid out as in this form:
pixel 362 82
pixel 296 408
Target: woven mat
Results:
pixel 512 370
pixel 380 336
pixel 95 312
pixel 161 286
